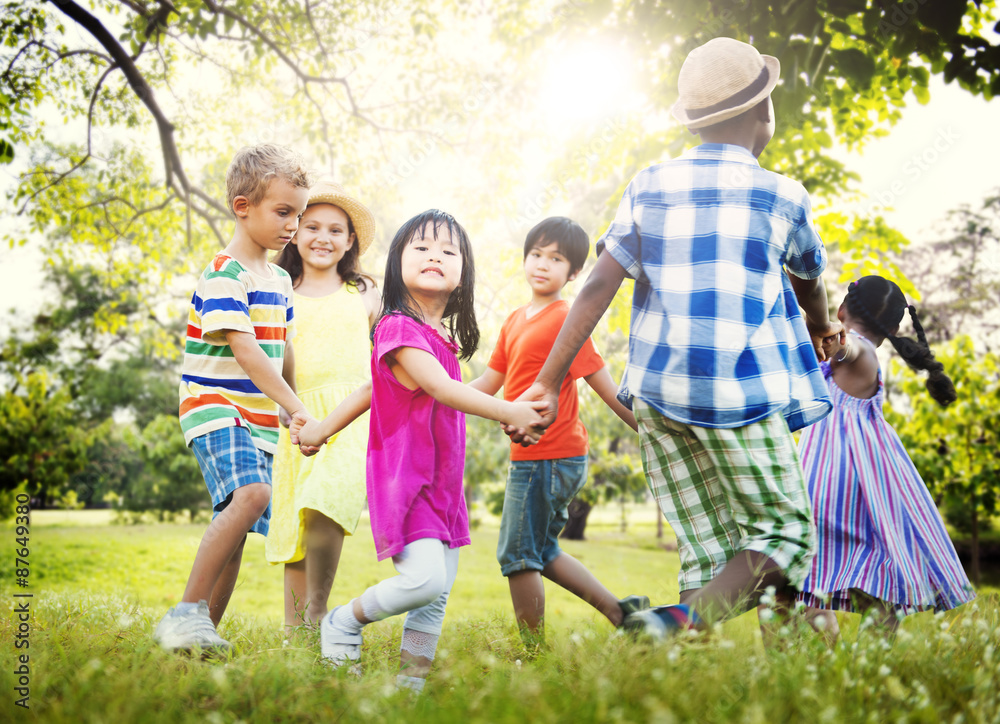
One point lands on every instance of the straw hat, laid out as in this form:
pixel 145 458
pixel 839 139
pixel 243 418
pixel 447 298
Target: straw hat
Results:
pixel 720 80
pixel 326 191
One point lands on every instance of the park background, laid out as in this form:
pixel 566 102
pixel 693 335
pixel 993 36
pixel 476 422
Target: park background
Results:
pixel 118 121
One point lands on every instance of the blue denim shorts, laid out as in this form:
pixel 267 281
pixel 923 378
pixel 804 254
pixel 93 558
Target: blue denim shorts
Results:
pixel 229 460
pixel 535 511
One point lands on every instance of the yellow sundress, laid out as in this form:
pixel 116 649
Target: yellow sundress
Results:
pixel 332 359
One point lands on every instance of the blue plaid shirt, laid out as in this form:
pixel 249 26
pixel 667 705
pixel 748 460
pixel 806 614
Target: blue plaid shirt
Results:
pixel 717 338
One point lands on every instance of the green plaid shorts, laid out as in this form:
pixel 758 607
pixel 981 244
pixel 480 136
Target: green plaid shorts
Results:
pixel 726 490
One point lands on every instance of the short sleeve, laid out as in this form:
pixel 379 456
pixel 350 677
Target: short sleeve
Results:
pixel 224 305
pixel 398 330
pixel 621 240
pixel 806 256
pixel 587 361
pixel 498 360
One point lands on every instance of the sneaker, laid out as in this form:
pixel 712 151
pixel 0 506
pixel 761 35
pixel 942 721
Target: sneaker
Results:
pixel 191 630
pixel 337 645
pixel 661 622
pixel 633 604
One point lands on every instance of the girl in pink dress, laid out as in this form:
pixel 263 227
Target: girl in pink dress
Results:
pixel 881 544
pixel 416 446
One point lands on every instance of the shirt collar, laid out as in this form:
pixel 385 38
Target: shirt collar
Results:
pixel 721 152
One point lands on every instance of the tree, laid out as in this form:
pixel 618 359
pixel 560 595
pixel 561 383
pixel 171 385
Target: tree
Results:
pixel 40 444
pixel 170 480
pixel 957 276
pixel 955 449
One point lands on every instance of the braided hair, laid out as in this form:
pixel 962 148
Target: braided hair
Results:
pixel 880 304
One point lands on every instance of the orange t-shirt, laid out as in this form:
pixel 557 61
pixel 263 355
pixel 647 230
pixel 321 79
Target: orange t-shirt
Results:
pixel 521 351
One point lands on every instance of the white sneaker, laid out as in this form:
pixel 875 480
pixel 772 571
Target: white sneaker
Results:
pixel 188 631
pixel 338 646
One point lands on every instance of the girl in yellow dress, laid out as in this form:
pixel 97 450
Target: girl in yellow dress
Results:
pixel 318 500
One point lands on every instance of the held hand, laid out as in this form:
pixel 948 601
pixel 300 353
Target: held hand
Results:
pixel 527 415
pixel 284 419
pixel 302 422
pixel 542 393
pixel 823 337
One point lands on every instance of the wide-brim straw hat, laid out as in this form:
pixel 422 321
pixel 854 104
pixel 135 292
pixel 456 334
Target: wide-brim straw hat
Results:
pixel 326 191
pixel 720 80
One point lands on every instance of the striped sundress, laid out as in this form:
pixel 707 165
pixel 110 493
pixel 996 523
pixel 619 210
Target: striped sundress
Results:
pixel 878 529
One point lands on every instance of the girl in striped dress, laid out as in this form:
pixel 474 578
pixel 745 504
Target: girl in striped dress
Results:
pixel 882 546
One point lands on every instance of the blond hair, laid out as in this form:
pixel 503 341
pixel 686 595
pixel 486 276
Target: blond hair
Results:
pixel 253 168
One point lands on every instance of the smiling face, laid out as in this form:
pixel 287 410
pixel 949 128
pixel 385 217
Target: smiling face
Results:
pixel 323 236
pixel 431 267
pixel 272 223
pixel 547 270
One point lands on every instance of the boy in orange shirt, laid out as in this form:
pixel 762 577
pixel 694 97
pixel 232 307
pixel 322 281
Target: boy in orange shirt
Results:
pixel 542 479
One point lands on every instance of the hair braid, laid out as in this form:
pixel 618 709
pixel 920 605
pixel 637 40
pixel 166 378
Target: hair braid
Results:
pixel 889 304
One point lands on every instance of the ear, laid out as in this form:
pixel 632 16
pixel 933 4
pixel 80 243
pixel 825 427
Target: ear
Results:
pixel 241 206
pixel 764 111
pixel 350 241
pixel 572 276
pixel 841 312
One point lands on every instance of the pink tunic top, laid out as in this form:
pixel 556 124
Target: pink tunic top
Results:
pixel 416 448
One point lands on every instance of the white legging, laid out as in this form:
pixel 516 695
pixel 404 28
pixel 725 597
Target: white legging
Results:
pixel 427 570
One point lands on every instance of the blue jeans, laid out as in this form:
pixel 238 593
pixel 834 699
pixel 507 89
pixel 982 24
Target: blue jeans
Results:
pixel 535 511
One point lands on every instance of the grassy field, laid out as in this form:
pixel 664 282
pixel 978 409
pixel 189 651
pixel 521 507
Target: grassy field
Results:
pixel 99 589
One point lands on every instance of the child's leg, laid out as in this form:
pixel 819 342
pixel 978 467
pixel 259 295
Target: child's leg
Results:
pixel 884 613
pixel 324 544
pixel 295 594
pixel 423 576
pixel 737 494
pixel 572 575
pixel 423 629
pixel 223 590
pixel 223 538
pixel 527 593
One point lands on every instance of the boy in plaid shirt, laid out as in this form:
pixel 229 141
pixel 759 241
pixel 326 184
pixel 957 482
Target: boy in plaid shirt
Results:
pixel 721 362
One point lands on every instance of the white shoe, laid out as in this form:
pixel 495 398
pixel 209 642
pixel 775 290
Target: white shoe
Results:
pixel 187 631
pixel 338 646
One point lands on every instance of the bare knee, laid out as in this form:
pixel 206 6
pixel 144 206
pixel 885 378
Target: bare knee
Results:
pixel 253 498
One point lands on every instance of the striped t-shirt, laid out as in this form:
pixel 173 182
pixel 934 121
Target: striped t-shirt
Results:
pixel 215 392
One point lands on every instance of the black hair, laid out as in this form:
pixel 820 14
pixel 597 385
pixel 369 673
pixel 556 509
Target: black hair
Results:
pixel 880 304
pixel 349 266
pixel 573 242
pixel 459 314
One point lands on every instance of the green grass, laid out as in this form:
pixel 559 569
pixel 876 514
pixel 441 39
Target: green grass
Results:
pixel 98 591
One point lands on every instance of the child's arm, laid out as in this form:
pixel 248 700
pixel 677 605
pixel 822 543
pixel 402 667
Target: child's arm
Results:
pixel 260 369
pixel 586 312
pixel 604 385
pixel 312 434
pixel 372 299
pixel 489 382
pixel 288 374
pixel 811 296
pixel 417 368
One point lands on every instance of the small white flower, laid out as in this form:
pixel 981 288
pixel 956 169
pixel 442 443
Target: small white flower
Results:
pixel 765 615
pixel 884 670
pixel 517 663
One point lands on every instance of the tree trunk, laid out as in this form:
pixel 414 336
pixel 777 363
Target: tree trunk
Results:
pixel 578 512
pixel 974 563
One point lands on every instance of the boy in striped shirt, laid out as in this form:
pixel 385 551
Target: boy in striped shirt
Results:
pixel 238 343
